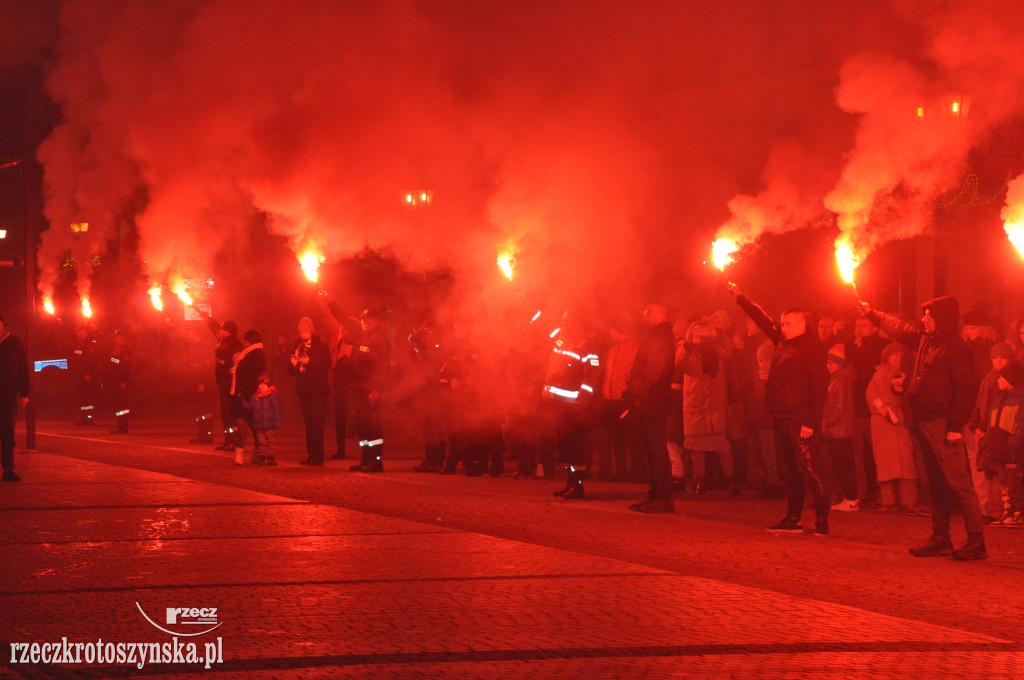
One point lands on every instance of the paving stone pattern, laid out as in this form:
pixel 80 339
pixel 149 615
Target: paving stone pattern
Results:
pixel 316 591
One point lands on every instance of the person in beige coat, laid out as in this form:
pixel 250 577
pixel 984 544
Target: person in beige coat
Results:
pixel 890 437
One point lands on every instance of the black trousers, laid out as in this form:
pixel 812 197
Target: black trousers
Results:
pixel 229 421
pixel 88 395
pixel 122 407
pixel 800 457
pixel 432 426
pixel 314 415
pixel 8 413
pixel 369 424
pixel 841 452
pixel 617 442
pixel 653 442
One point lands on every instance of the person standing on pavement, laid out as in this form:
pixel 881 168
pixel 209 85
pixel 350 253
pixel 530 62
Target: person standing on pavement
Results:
pixel 14 389
pixel 569 384
pixel 649 393
pixel 84 367
pixel 120 380
pixel 342 332
pixel 890 434
pixel 941 395
pixel 837 427
pixel 371 363
pixel 309 363
pixel 866 355
pixel 795 394
pixel 228 345
pixel 249 364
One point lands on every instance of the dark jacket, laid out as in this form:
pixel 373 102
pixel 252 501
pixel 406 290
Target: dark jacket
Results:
pixel 371 361
pixel 312 377
pixel 839 418
pixel 120 367
pixel 247 373
pixel 866 358
pixel 85 361
pixel 14 374
pixel 224 355
pixel 798 379
pixel 266 413
pixel 943 383
pixel 650 379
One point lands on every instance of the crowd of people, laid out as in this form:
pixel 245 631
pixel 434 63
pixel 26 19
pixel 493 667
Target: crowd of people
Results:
pixel 878 411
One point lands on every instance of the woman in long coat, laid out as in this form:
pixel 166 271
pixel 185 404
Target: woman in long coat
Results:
pixel 890 436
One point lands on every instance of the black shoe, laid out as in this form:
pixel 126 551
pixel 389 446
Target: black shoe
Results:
pixel 575 493
pixel 658 507
pixel 821 527
pixel 375 466
pixel 340 455
pixel 425 467
pixel 974 549
pixel 10 476
pixel 562 492
pixel 358 467
pixel 788 525
pixel 936 545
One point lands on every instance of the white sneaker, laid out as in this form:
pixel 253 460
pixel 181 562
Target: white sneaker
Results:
pixel 847 506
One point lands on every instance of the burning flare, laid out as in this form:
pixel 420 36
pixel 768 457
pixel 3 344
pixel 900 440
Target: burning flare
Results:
pixel 86 308
pixel 48 305
pixel 722 252
pixel 310 262
pixel 182 294
pixel 846 259
pixel 1013 213
pixel 155 294
pixel 506 263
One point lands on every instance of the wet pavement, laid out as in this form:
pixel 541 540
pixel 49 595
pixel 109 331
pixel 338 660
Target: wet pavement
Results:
pixel 323 573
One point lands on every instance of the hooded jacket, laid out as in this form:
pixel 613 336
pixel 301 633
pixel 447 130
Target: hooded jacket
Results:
pixel 798 378
pixel 943 383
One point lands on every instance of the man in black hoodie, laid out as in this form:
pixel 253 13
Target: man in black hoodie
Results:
pixel 795 395
pixel 941 395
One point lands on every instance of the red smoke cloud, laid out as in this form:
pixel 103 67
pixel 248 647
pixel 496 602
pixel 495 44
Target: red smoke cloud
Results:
pixel 601 140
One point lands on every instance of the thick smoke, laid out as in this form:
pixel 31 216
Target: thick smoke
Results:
pixel 599 141
pixel 921 106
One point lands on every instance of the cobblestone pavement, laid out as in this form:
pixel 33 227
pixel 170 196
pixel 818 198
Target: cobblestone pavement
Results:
pixel 323 573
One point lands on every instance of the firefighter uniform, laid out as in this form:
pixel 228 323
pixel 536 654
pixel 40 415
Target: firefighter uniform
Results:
pixel 370 364
pixel 120 372
pixel 84 365
pixel 572 373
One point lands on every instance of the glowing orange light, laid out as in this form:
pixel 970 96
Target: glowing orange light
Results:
pixel 182 294
pixel 506 263
pixel 155 294
pixel 723 251
pixel 410 199
pixel 846 259
pixel 955 107
pixel 48 305
pixel 310 263
pixel 1015 232
pixel 920 112
pixel 86 308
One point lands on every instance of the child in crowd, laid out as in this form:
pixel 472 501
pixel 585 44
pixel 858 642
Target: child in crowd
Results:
pixel 838 427
pixel 266 417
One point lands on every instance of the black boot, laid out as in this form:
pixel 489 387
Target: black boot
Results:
pixel 938 544
pixel 205 435
pixel 974 549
